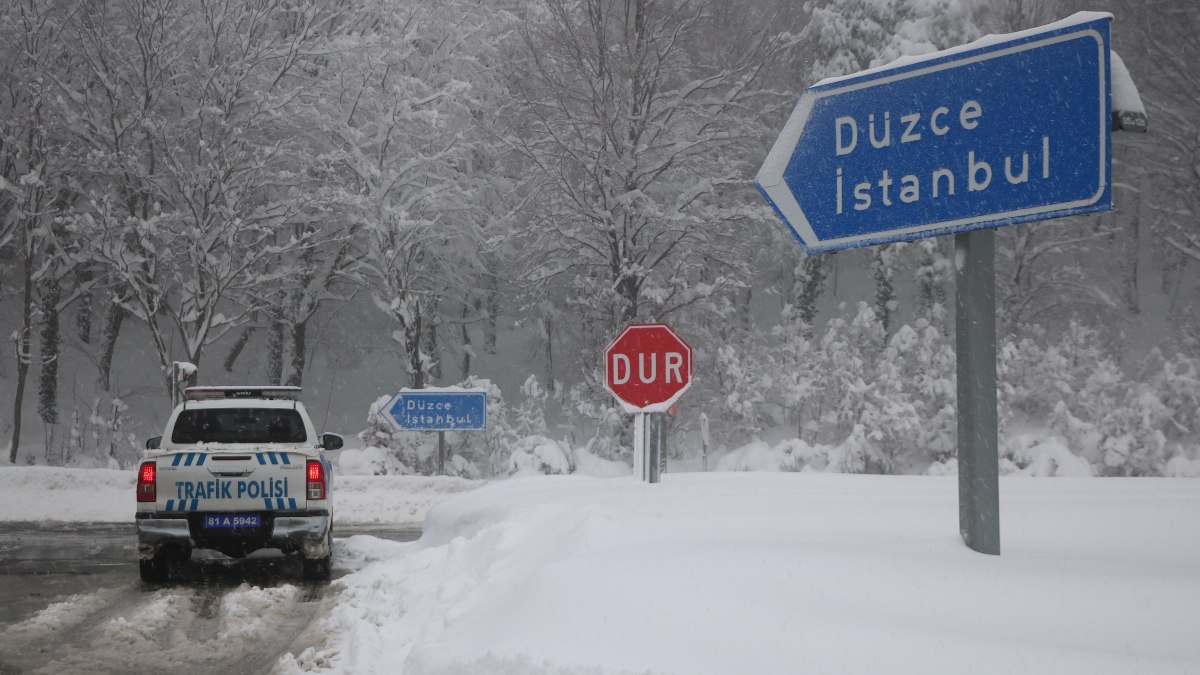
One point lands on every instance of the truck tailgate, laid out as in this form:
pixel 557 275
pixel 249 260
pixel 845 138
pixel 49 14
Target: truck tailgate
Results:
pixel 259 480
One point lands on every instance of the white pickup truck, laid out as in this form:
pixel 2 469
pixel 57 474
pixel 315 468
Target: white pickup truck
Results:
pixel 236 470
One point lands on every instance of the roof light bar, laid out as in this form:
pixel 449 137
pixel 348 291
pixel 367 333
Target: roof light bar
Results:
pixel 212 393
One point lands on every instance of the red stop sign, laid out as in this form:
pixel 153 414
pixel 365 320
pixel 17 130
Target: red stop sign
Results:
pixel 647 367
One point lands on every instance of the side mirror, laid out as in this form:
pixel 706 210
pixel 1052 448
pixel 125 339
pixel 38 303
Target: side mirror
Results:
pixel 153 442
pixel 331 441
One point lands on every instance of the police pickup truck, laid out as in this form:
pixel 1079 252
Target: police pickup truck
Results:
pixel 236 470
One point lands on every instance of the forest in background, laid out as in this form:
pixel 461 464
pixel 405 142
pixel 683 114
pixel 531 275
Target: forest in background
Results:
pixel 282 190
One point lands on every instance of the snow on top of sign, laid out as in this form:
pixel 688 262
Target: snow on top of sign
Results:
pixel 444 390
pixel 985 41
pixel 1124 92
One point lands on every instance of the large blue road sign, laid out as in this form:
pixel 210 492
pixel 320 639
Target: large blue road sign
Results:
pixel 439 410
pixel 1005 130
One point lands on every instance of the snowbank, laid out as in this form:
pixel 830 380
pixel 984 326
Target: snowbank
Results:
pixel 776 573
pixel 61 494
pixel 396 501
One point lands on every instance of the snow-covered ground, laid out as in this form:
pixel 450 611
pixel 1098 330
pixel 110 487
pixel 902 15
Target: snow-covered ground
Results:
pixel 733 573
pixel 776 573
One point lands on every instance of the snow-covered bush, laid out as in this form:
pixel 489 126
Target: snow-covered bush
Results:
pixel 1176 381
pixel 487 450
pixel 1035 454
pixel 792 454
pixel 459 467
pixel 1122 424
pixel 372 460
pixel 880 405
pixel 588 464
pixel 1182 466
pixel 1153 416
pixel 391 451
pixel 855 454
pixel 534 455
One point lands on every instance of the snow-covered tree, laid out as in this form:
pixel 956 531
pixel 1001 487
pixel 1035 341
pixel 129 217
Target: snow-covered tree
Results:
pixel 189 116
pixel 1040 276
pixel 629 128
pixel 530 415
pixel 34 183
pixel 405 132
pixel 1164 49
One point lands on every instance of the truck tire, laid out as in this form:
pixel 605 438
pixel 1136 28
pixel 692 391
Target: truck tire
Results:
pixel 158 568
pixel 153 570
pixel 320 569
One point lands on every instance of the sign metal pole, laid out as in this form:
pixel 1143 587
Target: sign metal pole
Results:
pixel 975 334
pixel 639 446
pixel 441 453
pixel 654 448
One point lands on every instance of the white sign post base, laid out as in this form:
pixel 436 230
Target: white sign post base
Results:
pixel 640 465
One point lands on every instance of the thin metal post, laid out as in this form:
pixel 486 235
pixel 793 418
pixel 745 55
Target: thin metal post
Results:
pixel 441 453
pixel 654 448
pixel 639 446
pixel 975 336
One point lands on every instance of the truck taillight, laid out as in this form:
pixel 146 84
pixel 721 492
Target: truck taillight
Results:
pixel 316 479
pixel 145 483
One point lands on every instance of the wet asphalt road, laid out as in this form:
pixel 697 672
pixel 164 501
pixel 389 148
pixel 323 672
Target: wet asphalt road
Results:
pixel 92 569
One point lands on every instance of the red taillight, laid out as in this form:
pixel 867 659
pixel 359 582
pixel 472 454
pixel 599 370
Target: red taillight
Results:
pixel 145 483
pixel 316 479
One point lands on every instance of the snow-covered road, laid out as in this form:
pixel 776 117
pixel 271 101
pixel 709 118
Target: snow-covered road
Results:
pixel 71 601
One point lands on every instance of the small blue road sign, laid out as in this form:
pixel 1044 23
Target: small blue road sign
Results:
pixel 439 410
pixel 1005 130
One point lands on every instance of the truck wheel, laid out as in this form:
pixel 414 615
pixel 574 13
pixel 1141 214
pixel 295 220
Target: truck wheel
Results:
pixel 320 569
pixel 153 570
pixel 158 568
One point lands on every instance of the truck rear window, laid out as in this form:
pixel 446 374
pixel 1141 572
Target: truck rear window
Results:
pixel 238 425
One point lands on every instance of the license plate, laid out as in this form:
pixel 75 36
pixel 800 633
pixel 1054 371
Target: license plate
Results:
pixel 232 520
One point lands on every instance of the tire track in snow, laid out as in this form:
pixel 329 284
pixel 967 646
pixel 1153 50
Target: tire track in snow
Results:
pixel 86 612
pixel 167 630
